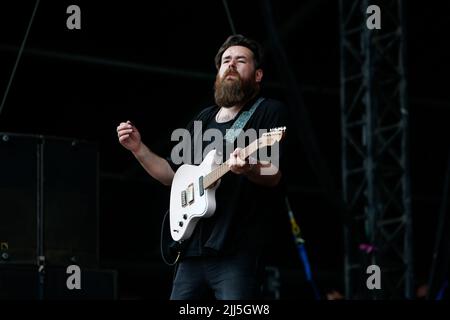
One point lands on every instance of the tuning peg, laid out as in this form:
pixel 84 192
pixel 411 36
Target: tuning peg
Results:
pixel 278 129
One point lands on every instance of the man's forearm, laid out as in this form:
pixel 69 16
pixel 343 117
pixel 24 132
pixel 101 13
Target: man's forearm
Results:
pixel 264 174
pixel 156 166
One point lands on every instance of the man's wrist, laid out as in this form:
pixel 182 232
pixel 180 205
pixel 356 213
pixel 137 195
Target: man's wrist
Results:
pixel 139 150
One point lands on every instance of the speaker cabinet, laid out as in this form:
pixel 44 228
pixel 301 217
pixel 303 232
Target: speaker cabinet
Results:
pixel 48 200
pixel 18 198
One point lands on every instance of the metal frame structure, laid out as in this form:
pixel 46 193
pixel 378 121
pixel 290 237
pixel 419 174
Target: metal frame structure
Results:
pixel 375 168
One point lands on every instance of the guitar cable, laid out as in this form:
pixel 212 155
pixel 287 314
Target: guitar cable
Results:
pixel 161 244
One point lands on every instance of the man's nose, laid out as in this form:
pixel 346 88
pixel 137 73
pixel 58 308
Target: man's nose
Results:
pixel 232 64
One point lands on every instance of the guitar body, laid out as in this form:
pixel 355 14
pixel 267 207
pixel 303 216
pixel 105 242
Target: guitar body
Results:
pixel 193 191
pixel 189 202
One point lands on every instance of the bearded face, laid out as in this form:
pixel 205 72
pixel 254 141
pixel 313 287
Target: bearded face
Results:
pixel 231 89
pixel 237 80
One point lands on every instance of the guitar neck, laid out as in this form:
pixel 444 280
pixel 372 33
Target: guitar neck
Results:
pixel 222 169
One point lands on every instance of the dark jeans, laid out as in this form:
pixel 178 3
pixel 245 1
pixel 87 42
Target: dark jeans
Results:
pixel 228 278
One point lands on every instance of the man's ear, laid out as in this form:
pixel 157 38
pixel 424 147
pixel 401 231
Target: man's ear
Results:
pixel 259 75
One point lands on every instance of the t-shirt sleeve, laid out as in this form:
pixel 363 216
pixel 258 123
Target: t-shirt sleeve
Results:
pixel 176 153
pixel 174 158
pixel 276 116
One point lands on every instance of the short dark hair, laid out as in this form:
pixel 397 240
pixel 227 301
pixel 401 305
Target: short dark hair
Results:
pixel 240 40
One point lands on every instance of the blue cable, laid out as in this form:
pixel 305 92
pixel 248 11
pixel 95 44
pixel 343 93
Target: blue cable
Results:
pixel 441 292
pixel 302 251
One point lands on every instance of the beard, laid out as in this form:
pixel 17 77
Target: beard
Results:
pixel 228 93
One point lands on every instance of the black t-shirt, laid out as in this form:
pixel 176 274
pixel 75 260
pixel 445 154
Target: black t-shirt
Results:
pixel 241 222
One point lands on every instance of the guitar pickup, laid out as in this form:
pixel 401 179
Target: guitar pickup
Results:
pixel 200 186
pixel 183 198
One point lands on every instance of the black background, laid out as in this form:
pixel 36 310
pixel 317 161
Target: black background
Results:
pixel 153 64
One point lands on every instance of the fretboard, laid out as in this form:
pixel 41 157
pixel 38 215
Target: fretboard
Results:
pixel 222 169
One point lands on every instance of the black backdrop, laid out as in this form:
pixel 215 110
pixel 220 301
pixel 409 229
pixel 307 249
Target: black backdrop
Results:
pixel 153 64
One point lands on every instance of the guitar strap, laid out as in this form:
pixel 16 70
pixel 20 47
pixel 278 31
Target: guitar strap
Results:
pixel 240 122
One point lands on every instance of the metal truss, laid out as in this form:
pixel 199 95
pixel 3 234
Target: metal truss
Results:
pixel 375 168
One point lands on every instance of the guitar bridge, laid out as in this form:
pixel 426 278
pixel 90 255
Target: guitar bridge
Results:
pixel 190 193
pixel 187 196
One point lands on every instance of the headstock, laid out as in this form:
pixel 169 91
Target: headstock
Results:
pixel 274 135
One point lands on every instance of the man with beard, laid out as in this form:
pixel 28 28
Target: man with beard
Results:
pixel 224 255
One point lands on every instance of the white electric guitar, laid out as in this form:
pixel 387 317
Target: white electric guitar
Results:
pixel 192 195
